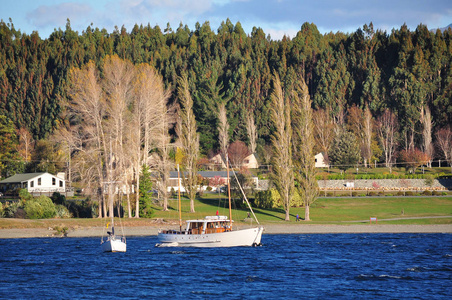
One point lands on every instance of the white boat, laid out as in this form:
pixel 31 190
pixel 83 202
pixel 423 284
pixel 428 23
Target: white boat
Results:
pixel 114 243
pixel 212 231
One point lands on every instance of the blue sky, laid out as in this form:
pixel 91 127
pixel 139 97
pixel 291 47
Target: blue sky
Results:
pixel 275 17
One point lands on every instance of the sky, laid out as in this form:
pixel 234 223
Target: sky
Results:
pixel 275 17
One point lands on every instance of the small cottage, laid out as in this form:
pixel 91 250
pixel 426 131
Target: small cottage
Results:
pixel 36 183
pixel 320 161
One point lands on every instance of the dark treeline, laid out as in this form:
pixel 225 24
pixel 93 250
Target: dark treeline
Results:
pixel 402 70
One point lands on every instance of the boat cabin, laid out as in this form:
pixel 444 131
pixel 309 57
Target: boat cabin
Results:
pixel 210 224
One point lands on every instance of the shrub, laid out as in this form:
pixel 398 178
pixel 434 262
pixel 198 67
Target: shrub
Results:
pixel 354 194
pixel 429 179
pixel 10 209
pixel 400 193
pixel 57 198
pixel 25 195
pixel 381 193
pixel 40 208
pixel 1 210
pixel 427 193
pixel 409 193
pixel 436 193
pixel 372 193
pixel 267 199
pixel 62 211
pixel 329 194
pixel 33 210
pixel 209 188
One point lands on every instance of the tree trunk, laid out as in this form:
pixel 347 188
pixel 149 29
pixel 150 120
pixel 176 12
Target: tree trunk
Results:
pixel 306 213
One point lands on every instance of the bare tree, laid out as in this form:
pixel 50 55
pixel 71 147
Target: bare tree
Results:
pixel 149 125
pixel 282 165
pixel 252 131
pixel 366 148
pixel 189 139
pixel 88 106
pixel 237 152
pixel 26 143
pixel 303 146
pixel 223 130
pixel 427 146
pixel 323 130
pixel 387 127
pixel 118 87
pixel 444 143
pixel 360 123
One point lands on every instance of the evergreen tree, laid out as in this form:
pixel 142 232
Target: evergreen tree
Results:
pixel 345 151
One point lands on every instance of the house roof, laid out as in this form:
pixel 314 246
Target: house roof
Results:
pixel 22 177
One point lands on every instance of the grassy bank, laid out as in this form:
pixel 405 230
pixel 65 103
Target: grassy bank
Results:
pixel 397 210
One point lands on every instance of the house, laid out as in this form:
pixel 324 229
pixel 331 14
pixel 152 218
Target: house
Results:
pixel 36 183
pixel 320 161
pixel 216 179
pixel 249 162
pixel 217 161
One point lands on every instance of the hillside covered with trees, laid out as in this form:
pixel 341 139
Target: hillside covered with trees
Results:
pixel 401 79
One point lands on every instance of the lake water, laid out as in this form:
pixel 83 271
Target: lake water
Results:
pixel 319 266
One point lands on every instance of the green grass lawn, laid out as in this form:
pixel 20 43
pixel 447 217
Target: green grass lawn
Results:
pixel 329 210
pixel 335 210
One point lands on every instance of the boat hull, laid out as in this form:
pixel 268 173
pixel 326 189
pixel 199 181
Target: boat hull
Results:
pixel 237 238
pixel 114 246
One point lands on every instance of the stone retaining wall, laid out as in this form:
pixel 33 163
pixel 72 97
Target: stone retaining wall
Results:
pixel 378 184
pixel 386 184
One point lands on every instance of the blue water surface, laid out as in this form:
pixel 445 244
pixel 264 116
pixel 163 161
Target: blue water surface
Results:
pixel 319 266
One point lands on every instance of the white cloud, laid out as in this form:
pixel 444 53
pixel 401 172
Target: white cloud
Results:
pixel 56 15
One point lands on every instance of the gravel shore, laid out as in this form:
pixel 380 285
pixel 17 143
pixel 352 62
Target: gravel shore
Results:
pixel 269 229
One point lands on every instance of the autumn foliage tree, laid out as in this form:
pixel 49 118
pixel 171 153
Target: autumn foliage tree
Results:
pixel 237 152
pixel 413 159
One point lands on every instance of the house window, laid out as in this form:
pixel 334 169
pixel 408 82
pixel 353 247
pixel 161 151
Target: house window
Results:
pixel 61 183
pixel 316 160
pixel 53 181
pixel 247 161
pixel 39 181
pixel 32 183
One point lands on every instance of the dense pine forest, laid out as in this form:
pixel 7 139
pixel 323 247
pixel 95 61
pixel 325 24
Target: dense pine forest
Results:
pixel 404 72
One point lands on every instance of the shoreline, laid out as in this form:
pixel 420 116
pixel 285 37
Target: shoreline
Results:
pixel 269 229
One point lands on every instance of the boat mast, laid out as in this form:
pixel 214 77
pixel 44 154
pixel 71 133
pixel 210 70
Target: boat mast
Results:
pixel 229 192
pixel 180 209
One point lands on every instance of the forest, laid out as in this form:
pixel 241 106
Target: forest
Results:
pixel 402 77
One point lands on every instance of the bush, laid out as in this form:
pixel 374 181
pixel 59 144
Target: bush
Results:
pixel 354 194
pixel 264 199
pixel 40 208
pixel 400 194
pixel 427 193
pixel 372 194
pixel 62 212
pixel 33 210
pixel 10 209
pixel 409 193
pixel 25 195
pixel 58 199
pixel 436 193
